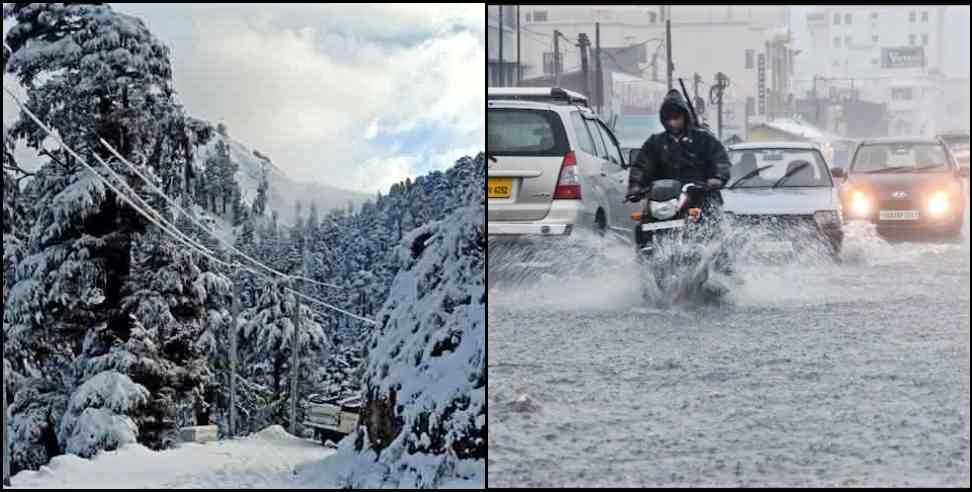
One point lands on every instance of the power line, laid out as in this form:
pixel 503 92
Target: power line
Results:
pixel 168 228
pixel 202 226
pixel 111 186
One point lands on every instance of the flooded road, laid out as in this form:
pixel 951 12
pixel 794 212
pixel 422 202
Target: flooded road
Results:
pixel 812 374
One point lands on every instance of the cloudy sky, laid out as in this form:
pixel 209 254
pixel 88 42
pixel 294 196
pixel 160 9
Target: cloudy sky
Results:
pixel 355 96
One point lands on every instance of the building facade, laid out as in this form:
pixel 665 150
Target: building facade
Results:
pixel 885 54
pixel 501 71
pixel 734 40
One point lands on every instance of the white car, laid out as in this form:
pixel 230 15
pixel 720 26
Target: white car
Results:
pixel 554 167
pixel 781 189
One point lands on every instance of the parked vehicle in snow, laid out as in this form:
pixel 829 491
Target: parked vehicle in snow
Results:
pixel 332 418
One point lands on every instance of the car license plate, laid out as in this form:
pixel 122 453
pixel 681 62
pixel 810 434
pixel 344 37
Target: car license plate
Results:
pixel 668 224
pixel 500 187
pixel 897 215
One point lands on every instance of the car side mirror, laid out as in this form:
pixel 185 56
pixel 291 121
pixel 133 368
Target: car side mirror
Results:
pixel 838 173
pixel 633 156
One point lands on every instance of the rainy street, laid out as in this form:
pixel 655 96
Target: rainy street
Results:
pixel 812 375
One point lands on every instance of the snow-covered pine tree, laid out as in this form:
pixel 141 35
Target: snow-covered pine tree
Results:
pixel 266 341
pixel 424 421
pixel 93 73
pixel 170 299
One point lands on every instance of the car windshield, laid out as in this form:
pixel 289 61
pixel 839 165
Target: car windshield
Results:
pixel 524 132
pixel 766 168
pixel 637 128
pixel 900 157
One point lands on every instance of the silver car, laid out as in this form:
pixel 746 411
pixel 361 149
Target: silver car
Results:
pixel 554 167
pixel 788 188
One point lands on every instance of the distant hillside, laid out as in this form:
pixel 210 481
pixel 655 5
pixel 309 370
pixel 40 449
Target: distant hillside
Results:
pixel 284 191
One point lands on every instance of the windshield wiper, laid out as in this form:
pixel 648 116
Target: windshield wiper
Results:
pixel 750 175
pixel 491 157
pixel 893 169
pixel 790 173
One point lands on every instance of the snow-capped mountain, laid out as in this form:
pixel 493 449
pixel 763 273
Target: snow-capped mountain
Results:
pixel 284 191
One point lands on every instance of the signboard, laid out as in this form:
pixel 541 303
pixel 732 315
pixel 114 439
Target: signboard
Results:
pixel 761 82
pixel 906 57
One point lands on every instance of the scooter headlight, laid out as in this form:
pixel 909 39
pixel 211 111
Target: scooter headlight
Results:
pixel 664 210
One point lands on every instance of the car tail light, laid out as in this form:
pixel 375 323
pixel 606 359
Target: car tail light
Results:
pixel 568 184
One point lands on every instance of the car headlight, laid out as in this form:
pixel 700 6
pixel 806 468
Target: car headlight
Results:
pixel 939 204
pixel 664 210
pixel 827 219
pixel 860 204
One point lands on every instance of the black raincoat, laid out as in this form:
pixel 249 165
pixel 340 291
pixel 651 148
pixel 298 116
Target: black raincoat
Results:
pixel 695 155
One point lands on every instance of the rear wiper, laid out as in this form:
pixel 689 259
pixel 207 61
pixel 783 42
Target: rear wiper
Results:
pixel 751 174
pixel 928 168
pixel 789 173
pixel 893 169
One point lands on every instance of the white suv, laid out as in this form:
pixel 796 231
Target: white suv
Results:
pixel 554 167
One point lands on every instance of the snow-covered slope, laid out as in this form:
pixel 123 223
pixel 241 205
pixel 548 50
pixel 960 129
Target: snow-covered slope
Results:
pixel 424 423
pixel 284 192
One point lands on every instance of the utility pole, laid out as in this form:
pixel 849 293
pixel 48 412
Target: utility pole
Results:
pixel 556 59
pixel 599 88
pixel 6 434
pixel 716 95
pixel 583 42
pixel 519 69
pixel 502 34
pixel 234 332
pixel 668 48
pixel 295 366
pixel 816 102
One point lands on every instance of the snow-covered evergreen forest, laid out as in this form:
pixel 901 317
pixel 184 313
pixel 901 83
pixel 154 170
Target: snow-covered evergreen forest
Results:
pixel 115 331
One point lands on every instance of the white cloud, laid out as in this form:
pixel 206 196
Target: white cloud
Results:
pixel 281 93
pixel 372 131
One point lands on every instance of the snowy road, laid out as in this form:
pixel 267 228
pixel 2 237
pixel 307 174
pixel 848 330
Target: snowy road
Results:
pixel 815 375
pixel 269 459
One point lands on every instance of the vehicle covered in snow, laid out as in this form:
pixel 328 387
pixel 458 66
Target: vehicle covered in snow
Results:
pixel 332 417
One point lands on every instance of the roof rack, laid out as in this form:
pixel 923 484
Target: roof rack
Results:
pixel 539 94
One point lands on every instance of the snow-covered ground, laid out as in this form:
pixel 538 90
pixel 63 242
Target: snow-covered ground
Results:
pixel 269 459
